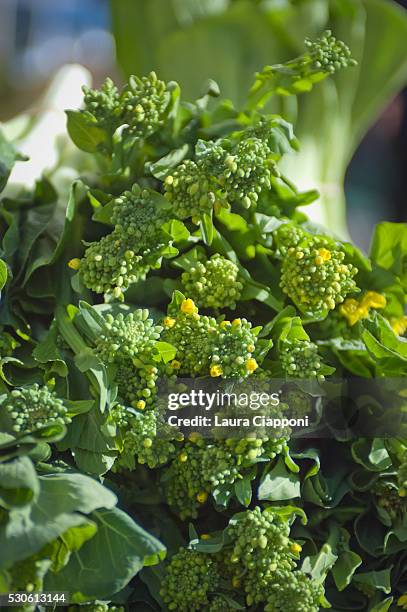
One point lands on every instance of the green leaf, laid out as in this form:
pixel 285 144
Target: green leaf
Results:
pixel 207 229
pixel 84 131
pixel 3 273
pixel 160 169
pixel 243 491
pixel 19 484
pixel 8 155
pixel 344 568
pixel 383 606
pixel 166 351
pixel 319 565
pixel 377 580
pixel 279 484
pixel 126 547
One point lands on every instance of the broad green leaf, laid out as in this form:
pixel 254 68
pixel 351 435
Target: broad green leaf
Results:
pixel 319 565
pixel 279 484
pixel 344 568
pixel 126 547
pixel 380 580
pixel 19 484
pixel 84 131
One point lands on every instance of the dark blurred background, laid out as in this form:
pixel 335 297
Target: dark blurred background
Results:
pixel 39 36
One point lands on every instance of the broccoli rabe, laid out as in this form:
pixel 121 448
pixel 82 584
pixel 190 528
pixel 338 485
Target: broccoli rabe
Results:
pixel 189 579
pixel 233 349
pixel 32 407
pixel 213 283
pixel 146 439
pixel 141 107
pixel 316 276
pixel 124 337
pixel 135 245
pixel 294 592
pixel 300 359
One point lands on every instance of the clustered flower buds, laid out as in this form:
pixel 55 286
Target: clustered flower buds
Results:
pixel 214 283
pixel 124 256
pixel 315 275
pixel 32 407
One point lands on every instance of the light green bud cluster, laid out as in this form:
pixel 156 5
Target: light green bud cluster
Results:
pixel 294 592
pixel 329 54
pixel 104 104
pixel 219 466
pixel 125 255
pixel 388 498
pixel 298 403
pixel 147 439
pixel 191 190
pixel 32 407
pixel 247 450
pixel 144 104
pixel 233 349
pixel 288 235
pixel 261 550
pixel 300 359
pixel 247 172
pixel 315 275
pixel 127 336
pixel 191 334
pixel 185 487
pixel 138 217
pixel 189 579
pixel 137 384
pixel 209 346
pixel 214 283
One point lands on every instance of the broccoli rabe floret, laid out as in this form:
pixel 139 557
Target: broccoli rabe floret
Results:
pixel 247 172
pixel 294 592
pixel 32 407
pixel 144 104
pixel 104 105
pixel 315 275
pixel 300 359
pixel 189 579
pixel 135 245
pixel 191 190
pixel 192 335
pixel 127 336
pixel 213 283
pixel 146 438
pixel 233 349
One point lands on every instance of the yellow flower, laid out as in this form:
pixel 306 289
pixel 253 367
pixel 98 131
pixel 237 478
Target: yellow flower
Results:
pixel 169 322
pixel 183 457
pixel 323 256
pixel 372 299
pixel 296 548
pixel 399 325
pixel 352 311
pixel 75 263
pixel 175 364
pixel 402 602
pixel 236 321
pixel 188 307
pixel 202 497
pixel 140 404
pixel 216 370
pixel 225 324
pixel 251 365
